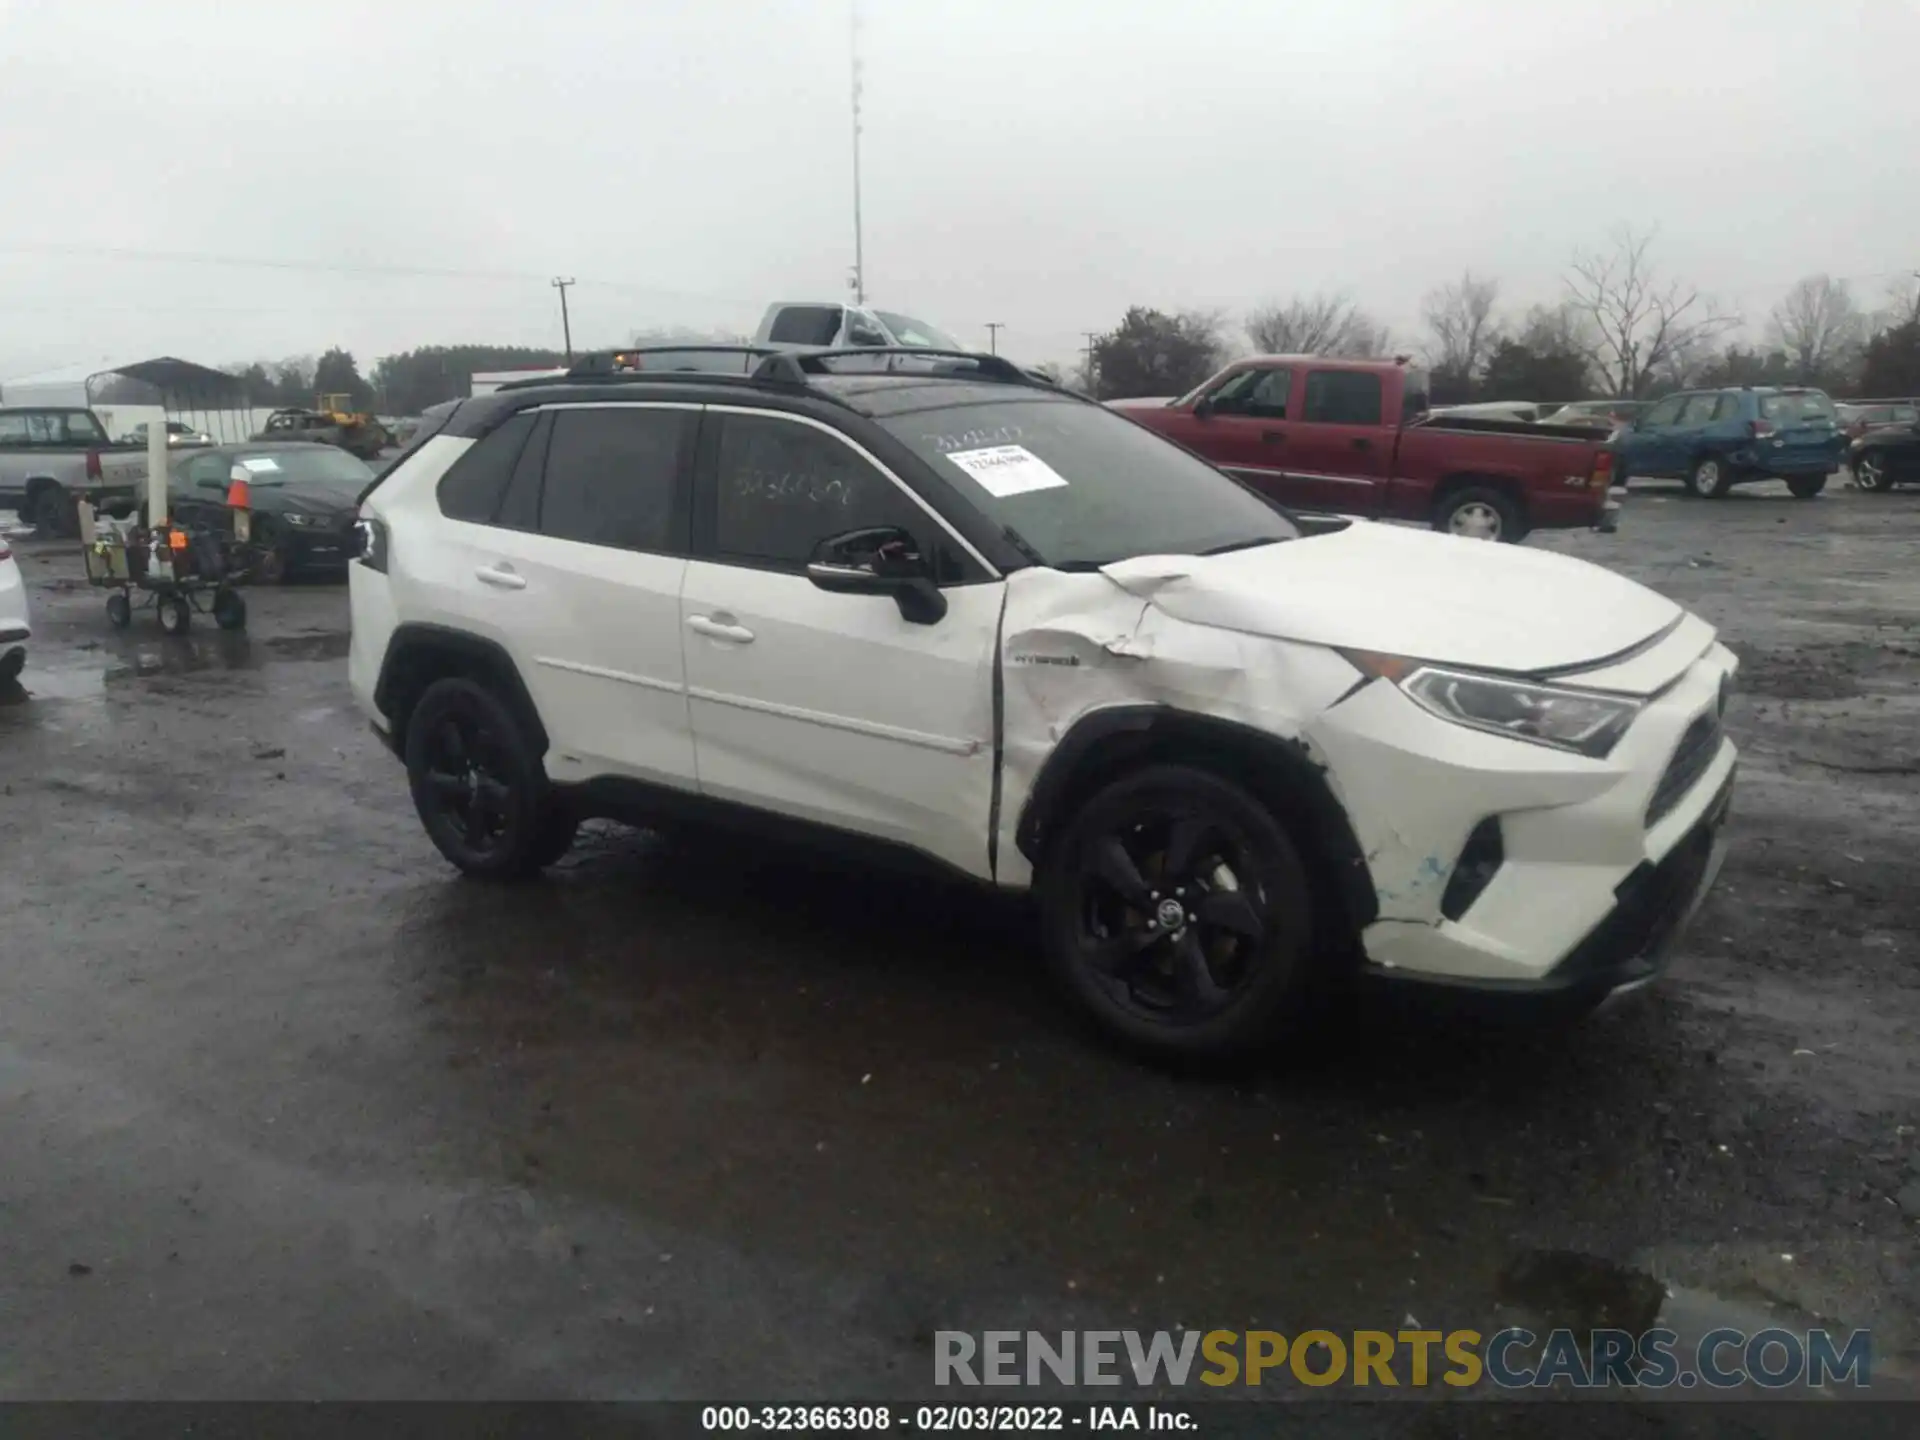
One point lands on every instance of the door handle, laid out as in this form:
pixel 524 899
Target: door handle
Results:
pixel 1360 442
pixel 1273 435
pixel 501 576
pixel 717 629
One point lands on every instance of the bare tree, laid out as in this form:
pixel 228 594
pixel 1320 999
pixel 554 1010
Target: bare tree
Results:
pixel 1818 326
pixel 1317 325
pixel 1902 307
pixel 1556 330
pixel 1640 323
pixel 1460 320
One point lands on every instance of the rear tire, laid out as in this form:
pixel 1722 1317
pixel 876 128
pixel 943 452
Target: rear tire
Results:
pixel 1480 512
pixel 11 664
pixel 54 514
pixel 1710 479
pixel 1805 487
pixel 119 610
pixel 476 783
pixel 1870 472
pixel 1176 911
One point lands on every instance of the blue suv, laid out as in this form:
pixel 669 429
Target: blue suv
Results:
pixel 1716 439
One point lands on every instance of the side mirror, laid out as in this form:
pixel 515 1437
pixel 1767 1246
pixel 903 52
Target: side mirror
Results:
pixel 865 335
pixel 1203 407
pixel 884 560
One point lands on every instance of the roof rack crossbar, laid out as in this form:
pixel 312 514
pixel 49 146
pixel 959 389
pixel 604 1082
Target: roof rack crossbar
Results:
pixel 986 367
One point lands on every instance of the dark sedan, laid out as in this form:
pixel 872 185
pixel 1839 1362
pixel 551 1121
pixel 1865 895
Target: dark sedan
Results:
pixel 1884 458
pixel 302 501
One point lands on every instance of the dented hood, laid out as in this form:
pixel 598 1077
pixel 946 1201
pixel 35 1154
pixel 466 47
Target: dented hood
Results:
pixel 1409 592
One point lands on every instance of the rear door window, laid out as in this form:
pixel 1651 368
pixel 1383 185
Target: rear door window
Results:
pixel 1666 412
pixel 613 477
pixel 13 430
pixel 1699 410
pixel 1728 408
pixel 1341 397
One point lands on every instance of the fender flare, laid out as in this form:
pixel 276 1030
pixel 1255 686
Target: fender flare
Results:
pixel 1113 736
pixel 473 655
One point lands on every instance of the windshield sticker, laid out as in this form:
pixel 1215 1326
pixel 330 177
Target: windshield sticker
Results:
pixel 260 464
pixel 1004 470
pixel 975 439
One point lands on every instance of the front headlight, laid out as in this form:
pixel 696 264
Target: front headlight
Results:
pixel 1587 722
pixel 301 518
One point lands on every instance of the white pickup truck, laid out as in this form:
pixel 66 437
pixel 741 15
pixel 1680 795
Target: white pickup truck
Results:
pixel 51 455
pixel 829 325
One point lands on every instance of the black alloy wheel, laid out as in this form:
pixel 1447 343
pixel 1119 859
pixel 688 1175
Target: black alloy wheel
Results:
pixel 476 785
pixel 1178 912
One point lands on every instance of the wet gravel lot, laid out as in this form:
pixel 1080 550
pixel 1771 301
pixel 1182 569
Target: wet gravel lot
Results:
pixel 289 1110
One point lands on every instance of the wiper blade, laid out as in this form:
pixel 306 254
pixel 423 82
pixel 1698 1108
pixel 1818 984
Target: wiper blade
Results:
pixel 1232 545
pixel 1019 542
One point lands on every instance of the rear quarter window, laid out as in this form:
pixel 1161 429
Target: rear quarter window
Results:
pixel 471 490
pixel 806 325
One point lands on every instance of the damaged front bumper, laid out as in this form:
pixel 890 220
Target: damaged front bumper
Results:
pixel 1595 867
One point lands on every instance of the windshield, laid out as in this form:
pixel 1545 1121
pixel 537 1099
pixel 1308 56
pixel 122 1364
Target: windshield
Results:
pixel 1797 407
pixel 1079 486
pixel 311 466
pixel 908 331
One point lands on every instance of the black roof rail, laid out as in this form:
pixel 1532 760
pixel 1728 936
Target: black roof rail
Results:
pixel 791 367
pixel 604 364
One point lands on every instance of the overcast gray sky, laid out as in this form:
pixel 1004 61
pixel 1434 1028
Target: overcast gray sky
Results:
pixel 1043 163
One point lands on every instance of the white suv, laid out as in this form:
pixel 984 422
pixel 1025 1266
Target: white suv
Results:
pixel 14 629
pixel 956 614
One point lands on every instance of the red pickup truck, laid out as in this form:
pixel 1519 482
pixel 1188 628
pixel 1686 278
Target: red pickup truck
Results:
pixel 1354 437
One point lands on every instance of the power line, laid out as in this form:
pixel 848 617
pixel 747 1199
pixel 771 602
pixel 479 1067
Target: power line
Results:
pixel 335 267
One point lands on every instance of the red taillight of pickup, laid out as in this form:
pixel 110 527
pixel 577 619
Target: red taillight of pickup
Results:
pixel 93 464
pixel 1602 477
pixel 1759 429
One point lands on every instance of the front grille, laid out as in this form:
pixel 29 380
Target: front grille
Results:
pixel 1695 753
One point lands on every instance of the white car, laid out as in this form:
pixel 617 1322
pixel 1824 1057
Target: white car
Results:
pixel 965 617
pixel 14 629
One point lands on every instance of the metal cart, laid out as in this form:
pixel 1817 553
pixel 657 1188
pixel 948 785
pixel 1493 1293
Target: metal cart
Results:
pixel 176 570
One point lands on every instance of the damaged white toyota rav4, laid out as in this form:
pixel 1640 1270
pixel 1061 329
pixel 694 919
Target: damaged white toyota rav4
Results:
pixel 950 612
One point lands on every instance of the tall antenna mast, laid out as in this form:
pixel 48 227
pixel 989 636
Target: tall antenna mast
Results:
pixel 859 255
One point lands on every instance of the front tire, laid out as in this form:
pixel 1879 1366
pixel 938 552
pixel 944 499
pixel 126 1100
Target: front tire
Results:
pixel 11 664
pixel 175 615
pixel 1480 512
pixel 1870 472
pixel 476 783
pixel 1175 910
pixel 1710 479
pixel 229 610
pixel 1805 487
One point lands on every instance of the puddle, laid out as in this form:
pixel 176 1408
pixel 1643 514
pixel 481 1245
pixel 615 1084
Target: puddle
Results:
pixel 1549 1290
pixel 128 661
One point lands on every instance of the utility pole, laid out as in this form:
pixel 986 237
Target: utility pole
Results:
pixel 859 247
pixel 561 283
pixel 1093 338
pixel 994 327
